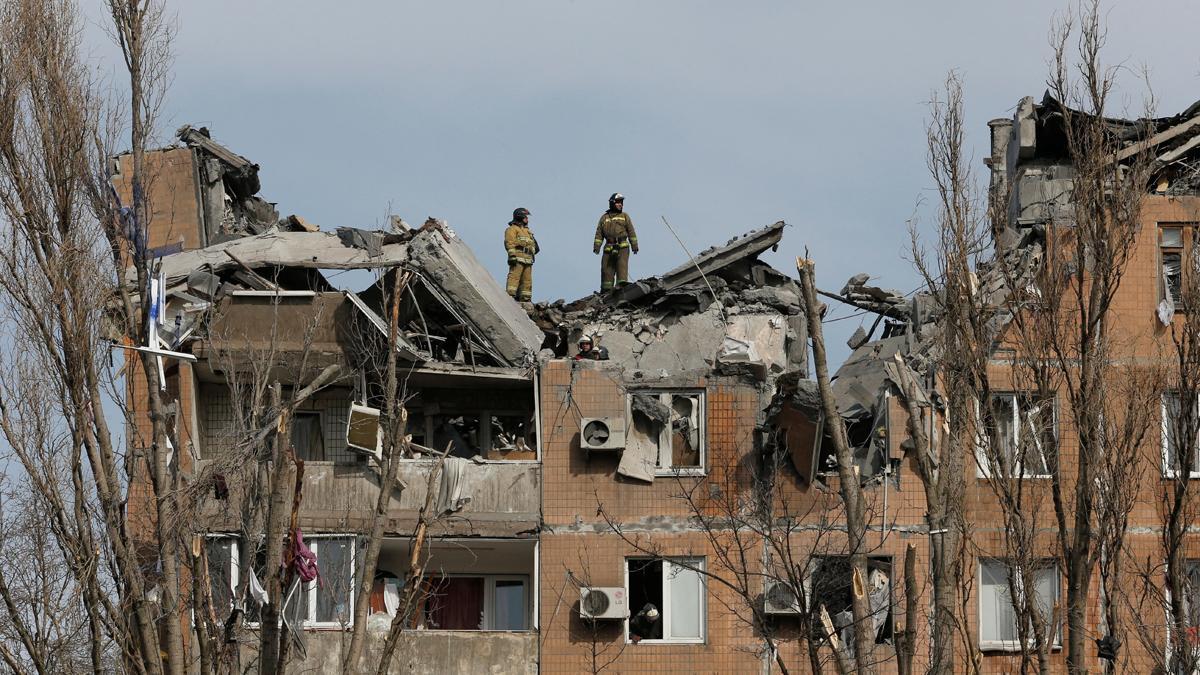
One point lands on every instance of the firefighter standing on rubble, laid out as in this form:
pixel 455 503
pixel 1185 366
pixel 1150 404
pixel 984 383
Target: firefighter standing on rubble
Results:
pixel 521 246
pixel 616 234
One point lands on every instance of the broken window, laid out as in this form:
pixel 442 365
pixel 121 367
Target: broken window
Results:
pixel 1174 437
pixel 666 600
pixel 363 431
pixel 998 628
pixel 1017 426
pixel 668 428
pixel 231 419
pixel 1171 248
pixel 326 602
pixel 487 602
pixel 491 423
pixel 832 587
pixel 513 437
pixel 460 432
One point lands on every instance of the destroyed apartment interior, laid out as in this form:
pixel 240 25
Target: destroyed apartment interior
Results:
pixel 567 505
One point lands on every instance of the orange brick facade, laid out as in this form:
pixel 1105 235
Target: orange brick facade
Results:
pixel 576 539
pixel 576 542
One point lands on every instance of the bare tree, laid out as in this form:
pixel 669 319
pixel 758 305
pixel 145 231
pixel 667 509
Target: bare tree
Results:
pixel 849 486
pixel 759 536
pixel 1167 585
pixel 1069 357
pixel 944 441
pixel 393 418
pixel 65 245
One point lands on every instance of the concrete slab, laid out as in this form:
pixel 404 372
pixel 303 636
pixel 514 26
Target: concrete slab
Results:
pixel 446 261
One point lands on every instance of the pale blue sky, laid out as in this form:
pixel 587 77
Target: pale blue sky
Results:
pixel 721 116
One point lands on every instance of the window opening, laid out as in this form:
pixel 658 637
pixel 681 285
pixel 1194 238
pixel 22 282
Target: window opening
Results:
pixel 480 602
pixel 832 584
pixel 307 438
pixel 1174 437
pixel 670 427
pixel 1016 426
pixel 666 600
pixel 997 619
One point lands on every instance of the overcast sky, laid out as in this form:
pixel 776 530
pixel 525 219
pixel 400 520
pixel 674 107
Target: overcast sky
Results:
pixel 720 116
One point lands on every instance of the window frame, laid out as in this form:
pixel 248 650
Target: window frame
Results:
pixel 1015 645
pixel 489 601
pixel 983 461
pixel 310 589
pixel 1168 621
pixel 695 565
pixel 1165 431
pixel 817 560
pixel 320 414
pixel 665 449
pixel 234 571
pixel 1187 247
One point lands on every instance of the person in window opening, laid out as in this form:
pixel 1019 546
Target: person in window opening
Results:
pixel 588 350
pixel 646 624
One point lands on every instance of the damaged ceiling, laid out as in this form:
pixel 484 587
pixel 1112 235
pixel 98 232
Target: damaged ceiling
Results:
pixel 454 311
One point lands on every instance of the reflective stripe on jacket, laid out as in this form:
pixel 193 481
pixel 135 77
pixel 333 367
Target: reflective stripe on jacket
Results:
pixel 615 230
pixel 520 244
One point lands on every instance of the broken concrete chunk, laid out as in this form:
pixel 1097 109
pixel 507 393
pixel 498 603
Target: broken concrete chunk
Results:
pixel 299 224
pixel 690 345
pixel 857 339
pixel 735 350
pixel 622 347
pixel 371 242
pixel 713 259
pixel 448 263
pixel 856 281
pixel 651 407
pixel 777 297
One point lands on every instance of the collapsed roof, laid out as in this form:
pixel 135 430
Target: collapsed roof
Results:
pixel 723 311
pixel 1030 155
pixel 455 311
pixel 1030 163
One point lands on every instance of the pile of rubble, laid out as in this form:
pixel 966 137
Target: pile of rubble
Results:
pixel 724 311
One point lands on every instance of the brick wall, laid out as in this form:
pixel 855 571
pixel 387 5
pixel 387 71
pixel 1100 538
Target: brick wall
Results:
pixel 173 195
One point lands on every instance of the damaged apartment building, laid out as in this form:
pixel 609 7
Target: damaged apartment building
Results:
pixel 573 491
pixel 533 436
pixel 896 350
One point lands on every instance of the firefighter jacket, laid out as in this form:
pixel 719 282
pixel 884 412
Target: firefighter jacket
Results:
pixel 520 244
pixel 615 231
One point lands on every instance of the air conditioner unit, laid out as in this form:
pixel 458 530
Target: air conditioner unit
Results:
pixel 602 433
pixel 779 598
pixel 603 603
pixel 363 431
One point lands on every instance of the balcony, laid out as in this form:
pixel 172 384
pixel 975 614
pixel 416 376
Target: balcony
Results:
pixel 498 498
pixel 429 652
